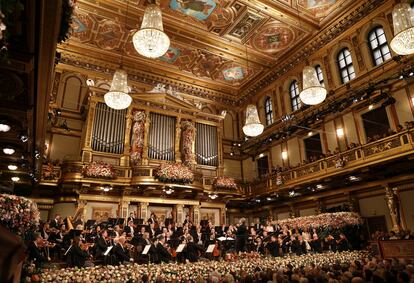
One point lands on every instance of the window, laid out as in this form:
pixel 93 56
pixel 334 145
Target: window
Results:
pixel 346 68
pixel 379 47
pixel 319 74
pixel 268 111
pixel 294 95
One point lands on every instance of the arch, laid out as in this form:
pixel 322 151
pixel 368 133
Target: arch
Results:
pixel 71 94
pixel 207 109
pixel 334 60
pixel 345 65
pixel 228 126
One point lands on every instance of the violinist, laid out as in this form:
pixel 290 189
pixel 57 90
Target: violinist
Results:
pixel 192 250
pixel 57 222
pixel 102 244
pixel 131 217
pixel 45 231
pixel 154 231
pixel 273 246
pixel 35 251
pixel 79 253
pixel 342 243
pixel 152 219
pixel 120 252
pixel 129 230
pixel 162 253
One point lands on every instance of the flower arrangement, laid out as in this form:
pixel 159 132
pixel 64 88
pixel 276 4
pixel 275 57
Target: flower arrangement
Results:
pixel 174 173
pixel 189 132
pixel 18 214
pixel 225 183
pixel 138 137
pixel 332 220
pixel 99 170
pixel 190 272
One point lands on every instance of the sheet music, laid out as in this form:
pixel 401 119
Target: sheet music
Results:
pixel 180 248
pixel 107 251
pixel 210 248
pixel 68 250
pixel 225 239
pixel 146 249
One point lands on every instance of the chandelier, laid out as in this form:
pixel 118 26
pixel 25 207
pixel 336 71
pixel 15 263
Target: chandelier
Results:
pixel 151 41
pixel 117 97
pixel 403 19
pixel 313 92
pixel 252 127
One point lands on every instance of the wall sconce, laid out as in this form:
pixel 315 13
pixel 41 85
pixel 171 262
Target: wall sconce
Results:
pixel 340 132
pixel 284 155
pixel 261 155
pixel 412 100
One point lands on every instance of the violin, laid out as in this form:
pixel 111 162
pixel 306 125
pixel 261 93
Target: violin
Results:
pixel 46 244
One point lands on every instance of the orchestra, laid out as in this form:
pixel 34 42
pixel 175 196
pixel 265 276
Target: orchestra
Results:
pixel 153 241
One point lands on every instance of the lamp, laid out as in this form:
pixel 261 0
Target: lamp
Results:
pixel 403 21
pixel 313 92
pixel 284 155
pixel 151 41
pixel 117 97
pixel 252 127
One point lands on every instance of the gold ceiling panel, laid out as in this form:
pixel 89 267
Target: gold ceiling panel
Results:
pixel 223 45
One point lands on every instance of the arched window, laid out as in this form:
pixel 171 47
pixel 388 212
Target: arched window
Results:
pixel 294 95
pixel 319 74
pixel 346 68
pixel 379 46
pixel 268 111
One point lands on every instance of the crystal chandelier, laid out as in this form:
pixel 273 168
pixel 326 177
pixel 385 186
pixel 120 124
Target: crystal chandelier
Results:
pixel 313 92
pixel 403 19
pixel 252 127
pixel 117 97
pixel 151 41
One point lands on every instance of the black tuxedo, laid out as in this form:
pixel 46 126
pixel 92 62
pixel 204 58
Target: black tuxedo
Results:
pixel 101 246
pixel 121 254
pixel 162 253
pixel 192 250
pixel 78 256
pixel 273 248
pixel 129 230
pixel 36 255
pixel 54 224
pixel 241 236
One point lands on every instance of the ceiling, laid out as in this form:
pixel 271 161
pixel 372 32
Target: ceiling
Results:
pixel 222 45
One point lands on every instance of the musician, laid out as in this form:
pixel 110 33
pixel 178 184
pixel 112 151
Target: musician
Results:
pixel 117 231
pixel 78 253
pixel 273 246
pixel 45 231
pixel 131 217
pixel 192 250
pixel 342 244
pixel 56 223
pixel 154 231
pixel 35 252
pixel 162 253
pixel 120 252
pixel 102 244
pixel 330 243
pixel 316 244
pixel 129 230
pixel 241 236
pixel 257 226
pixel 187 219
pixel 152 219
pixel 258 245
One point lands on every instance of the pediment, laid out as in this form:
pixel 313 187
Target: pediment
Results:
pixel 166 99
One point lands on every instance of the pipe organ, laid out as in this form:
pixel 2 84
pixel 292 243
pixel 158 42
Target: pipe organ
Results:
pixel 206 146
pixel 161 143
pixel 108 133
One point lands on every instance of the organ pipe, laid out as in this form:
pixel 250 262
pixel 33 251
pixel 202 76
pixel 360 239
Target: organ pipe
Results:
pixel 161 137
pixel 206 145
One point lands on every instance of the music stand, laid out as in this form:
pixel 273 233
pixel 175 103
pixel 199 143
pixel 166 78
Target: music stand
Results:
pixel 138 221
pixel 210 249
pixel 180 248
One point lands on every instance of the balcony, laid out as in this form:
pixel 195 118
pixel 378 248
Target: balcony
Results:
pixel 389 148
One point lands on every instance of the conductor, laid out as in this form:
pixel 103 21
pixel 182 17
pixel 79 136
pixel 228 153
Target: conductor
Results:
pixel 241 236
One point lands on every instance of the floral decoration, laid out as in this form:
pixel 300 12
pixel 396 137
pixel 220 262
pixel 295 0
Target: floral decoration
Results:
pixel 174 173
pixel 99 170
pixel 239 266
pixel 48 172
pixel 334 220
pixel 138 137
pixel 189 132
pixel 18 214
pixel 225 183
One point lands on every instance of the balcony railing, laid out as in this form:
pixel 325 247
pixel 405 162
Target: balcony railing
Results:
pixel 388 148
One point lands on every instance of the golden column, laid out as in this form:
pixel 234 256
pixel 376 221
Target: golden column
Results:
pixel 196 214
pixel 143 211
pixel 146 138
pixel 127 140
pixel 177 139
pixel 393 204
pixel 87 132
pixel 220 168
pixel 123 208
pixel 179 208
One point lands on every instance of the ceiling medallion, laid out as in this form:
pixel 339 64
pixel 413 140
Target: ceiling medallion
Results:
pixel 151 41
pixel 252 127
pixel 403 19
pixel 313 92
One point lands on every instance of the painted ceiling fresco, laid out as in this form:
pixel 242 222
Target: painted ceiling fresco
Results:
pixel 210 39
